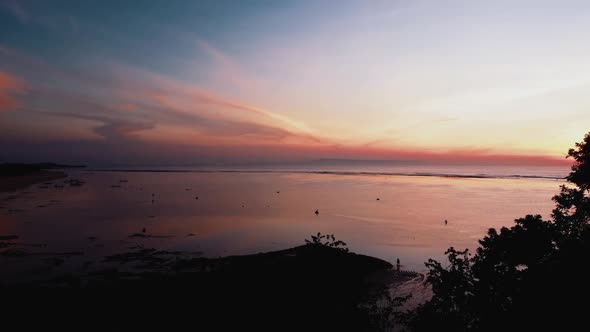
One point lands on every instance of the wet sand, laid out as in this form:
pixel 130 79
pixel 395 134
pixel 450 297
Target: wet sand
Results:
pixel 17 182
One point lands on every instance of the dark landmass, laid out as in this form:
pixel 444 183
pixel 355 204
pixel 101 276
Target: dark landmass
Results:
pixel 16 169
pixel 354 173
pixel 16 182
pixel 309 287
pixel 339 161
pixel 15 176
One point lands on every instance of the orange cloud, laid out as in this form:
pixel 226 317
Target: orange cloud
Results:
pixel 212 116
pixel 126 107
pixel 9 85
pixel 172 115
pixel 218 122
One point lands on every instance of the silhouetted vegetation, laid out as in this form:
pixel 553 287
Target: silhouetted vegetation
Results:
pixel 16 169
pixel 319 285
pixel 327 240
pixel 14 176
pixel 532 275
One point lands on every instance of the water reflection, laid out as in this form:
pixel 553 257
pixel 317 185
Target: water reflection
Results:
pixel 241 213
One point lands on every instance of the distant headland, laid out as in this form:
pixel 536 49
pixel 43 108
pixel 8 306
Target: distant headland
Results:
pixel 16 176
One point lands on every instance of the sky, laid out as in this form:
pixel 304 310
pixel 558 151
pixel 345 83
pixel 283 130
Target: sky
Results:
pixel 182 82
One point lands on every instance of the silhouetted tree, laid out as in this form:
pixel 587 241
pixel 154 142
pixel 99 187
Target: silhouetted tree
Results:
pixel 572 210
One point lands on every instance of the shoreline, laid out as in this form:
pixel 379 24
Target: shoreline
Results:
pixel 309 285
pixel 16 182
pixel 255 171
pixel 377 270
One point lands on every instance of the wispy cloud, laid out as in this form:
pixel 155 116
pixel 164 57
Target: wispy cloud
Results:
pixel 226 68
pixel 16 9
pixel 395 135
pixel 137 109
pixel 30 14
pixel 134 104
pixel 207 87
pixel 126 107
pixel 110 126
pixel 10 86
pixel 189 99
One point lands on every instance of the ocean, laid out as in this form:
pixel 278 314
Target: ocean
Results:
pixel 386 211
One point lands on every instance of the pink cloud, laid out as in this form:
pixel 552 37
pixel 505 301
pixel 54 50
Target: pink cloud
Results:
pixel 126 107
pixel 192 100
pixel 131 101
pixel 10 86
pixel 153 111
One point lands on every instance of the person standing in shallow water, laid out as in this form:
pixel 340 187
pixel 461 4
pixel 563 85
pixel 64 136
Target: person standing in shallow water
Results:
pixel 445 221
pixel 398 265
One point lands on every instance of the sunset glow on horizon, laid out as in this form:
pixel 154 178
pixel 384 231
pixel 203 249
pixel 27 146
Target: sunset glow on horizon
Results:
pixel 503 82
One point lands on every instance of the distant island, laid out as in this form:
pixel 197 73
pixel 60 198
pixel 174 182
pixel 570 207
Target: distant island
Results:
pixel 336 161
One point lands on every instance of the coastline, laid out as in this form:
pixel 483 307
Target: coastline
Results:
pixel 13 183
pixel 337 172
pixel 309 285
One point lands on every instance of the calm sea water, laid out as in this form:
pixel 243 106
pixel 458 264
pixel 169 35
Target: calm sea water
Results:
pixel 243 211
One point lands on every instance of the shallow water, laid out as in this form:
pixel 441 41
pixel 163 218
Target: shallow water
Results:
pixel 242 213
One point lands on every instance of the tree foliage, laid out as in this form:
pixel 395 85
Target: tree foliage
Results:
pixel 327 240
